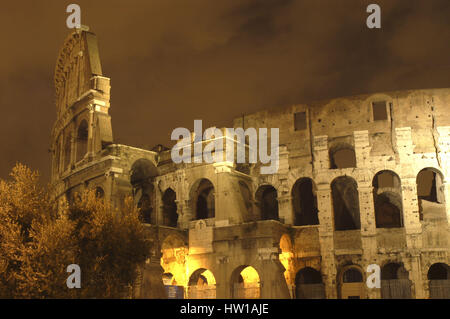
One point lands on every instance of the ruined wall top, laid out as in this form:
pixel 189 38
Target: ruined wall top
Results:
pixel 78 61
pixel 379 114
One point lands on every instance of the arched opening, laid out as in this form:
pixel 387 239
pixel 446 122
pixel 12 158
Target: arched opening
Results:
pixel 67 151
pixel 430 192
pixel 170 216
pixel 309 285
pixel 202 285
pixel 82 140
pixel 57 156
pixel 439 281
pixel 142 174
pixel 99 192
pixel 69 196
pixel 245 283
pixel 145 208
pixel 351 283
pixel 266 197
pixel 387 198
pixel 344 191
pixel 304 202
pixel 203 198
pixel 342 156
pixel 394 282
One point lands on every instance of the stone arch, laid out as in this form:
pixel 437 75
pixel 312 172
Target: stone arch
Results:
pixel 430 193
pixel 245 283
pixel 351 283
pixel 342 155
pixel 309 284
pixel 267 202
pixel 69 196
pixel 170 215
pixel 202 196
pixel 82 140
pixel 271 180
pixel 439 281
pixel 57 156
pixel 387 198
pixel 395 283
pixel 438 271
pixel 345 200
pixel 99 192
pixel 304 202
pixel 142 174
pixel 295 174
pixel 67 151
pixel 202 285
pixel 146 207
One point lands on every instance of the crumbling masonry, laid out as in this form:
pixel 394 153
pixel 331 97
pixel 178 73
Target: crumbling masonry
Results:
pixel 362 180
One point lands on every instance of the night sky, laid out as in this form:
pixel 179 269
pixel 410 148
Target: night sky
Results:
pixel 171 62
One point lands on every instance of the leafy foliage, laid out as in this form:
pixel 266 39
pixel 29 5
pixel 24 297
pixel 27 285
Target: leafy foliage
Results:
pixel 40 237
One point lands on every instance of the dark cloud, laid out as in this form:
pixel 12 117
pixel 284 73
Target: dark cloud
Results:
pixel 175 61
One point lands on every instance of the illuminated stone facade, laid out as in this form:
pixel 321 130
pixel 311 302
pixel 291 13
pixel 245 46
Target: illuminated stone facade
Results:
pixel 362 180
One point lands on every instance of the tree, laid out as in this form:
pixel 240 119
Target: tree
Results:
pixel 39 239
pixel 111 244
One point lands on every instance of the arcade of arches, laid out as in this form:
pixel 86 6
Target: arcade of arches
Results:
pixel 360 179
pixel 304 279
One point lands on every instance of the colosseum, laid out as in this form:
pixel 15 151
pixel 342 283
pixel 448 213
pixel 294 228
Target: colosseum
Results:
pixel 362 180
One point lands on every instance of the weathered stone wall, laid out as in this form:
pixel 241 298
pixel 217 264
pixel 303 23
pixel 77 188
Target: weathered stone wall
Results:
pixel 333 142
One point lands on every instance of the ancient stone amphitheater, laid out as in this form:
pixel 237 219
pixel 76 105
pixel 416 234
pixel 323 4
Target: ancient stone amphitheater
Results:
pixel 362 180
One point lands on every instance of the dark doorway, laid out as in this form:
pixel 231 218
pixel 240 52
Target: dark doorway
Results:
pixel 170 216
pixel 304 202
pixel 204 200
pixel 268 203
pixel 345 203
pixel 439 281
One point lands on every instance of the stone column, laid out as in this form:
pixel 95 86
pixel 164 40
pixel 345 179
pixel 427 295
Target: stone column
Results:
pixel 367 209
pixel 73 138
pixel 223 275
pixel 90 147
pixel 326 239
pixel 444 163
pixel 184 213
pixel 368 231
pixel 415 275
pixel 413 229
pixel 285 210
pixel 411 219
pixel 271 275
pixel 321 156
pixel 152 286
pixel 362 148
pixel 446 187
pixel 226 199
